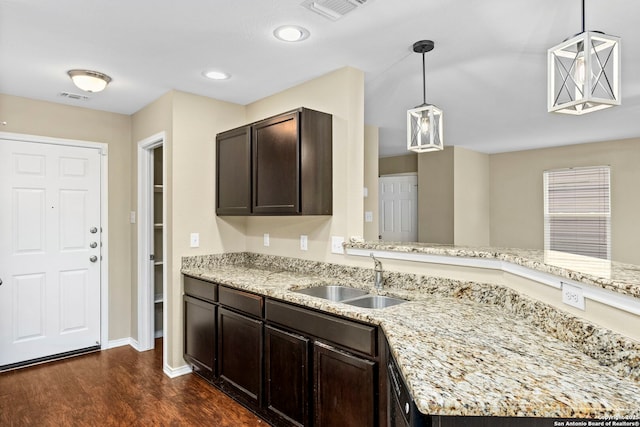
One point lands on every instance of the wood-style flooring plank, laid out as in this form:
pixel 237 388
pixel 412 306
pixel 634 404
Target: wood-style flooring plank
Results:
pixel 117 387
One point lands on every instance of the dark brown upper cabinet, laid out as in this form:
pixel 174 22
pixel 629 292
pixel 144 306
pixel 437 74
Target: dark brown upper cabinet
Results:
pixel 233 172
pixel 289 157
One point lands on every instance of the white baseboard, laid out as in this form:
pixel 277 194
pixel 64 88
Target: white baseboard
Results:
pixel 176 372
pixel 168 370
pixel 120 343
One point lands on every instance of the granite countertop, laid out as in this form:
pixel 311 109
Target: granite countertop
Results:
pixel 464 348
pixel 614 276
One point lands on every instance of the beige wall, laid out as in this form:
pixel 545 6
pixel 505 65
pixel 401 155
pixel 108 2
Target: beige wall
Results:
pixel 453 197
pixel 471 198
pixel 196 121
pixel 407 163
pixel 517 194
pixel 33 117
pixel 371 229
pixel 435 196
pixel 340 93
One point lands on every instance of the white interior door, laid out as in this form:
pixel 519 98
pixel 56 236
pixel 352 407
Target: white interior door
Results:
pixel 50 248
pixel 399 208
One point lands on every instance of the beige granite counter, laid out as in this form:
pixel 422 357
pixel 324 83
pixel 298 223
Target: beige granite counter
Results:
pixel 464 348
pixel 614 276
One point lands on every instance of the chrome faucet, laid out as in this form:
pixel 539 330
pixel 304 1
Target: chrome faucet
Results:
pixel 379 280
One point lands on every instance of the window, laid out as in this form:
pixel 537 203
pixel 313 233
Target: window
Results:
pixel 577 211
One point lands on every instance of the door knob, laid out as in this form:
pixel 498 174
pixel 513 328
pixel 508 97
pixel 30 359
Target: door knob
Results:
pixel 93 258
pixel 0 282
pixel 93 230
pixel 93 245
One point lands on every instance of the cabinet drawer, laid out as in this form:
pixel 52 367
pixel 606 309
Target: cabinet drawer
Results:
pixel 244 301
pixel 343 332
pixel 200 289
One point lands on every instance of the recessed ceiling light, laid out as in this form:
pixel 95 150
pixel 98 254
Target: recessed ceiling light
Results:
pixel 216 75
pixel 291 33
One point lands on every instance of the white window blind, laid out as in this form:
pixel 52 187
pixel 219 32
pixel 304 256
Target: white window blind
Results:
pixel 577 211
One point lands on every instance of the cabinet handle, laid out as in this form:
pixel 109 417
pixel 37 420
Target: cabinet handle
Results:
pixel 93 245
pixel 93 230
pixel 93 258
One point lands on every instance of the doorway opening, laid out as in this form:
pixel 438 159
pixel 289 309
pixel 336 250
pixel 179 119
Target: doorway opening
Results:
pixel 152 275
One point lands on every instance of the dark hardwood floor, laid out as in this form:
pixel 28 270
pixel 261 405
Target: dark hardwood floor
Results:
pixel 118 387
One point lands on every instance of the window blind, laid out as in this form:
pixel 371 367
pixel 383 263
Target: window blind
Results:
pixel 577 211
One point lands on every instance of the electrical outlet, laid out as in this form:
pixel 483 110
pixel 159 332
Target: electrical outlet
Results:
pixel 336 244
pixel 368 216
pixel 572 295
pixel 266 239
pixel 132 217
pixel 303 242
pixel 195 240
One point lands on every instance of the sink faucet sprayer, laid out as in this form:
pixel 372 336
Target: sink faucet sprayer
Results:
pixel 379 280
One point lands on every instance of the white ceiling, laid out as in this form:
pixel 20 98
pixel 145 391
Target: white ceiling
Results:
pixel 487 72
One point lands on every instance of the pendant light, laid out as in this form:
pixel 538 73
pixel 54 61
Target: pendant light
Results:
pixel 424 122
pixel 584 73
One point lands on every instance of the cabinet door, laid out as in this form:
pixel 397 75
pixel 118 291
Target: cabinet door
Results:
pixel 233 172
pixel 286 375
pixel 276 163
pixel 344 388
pixel 240 353
pixel 200 336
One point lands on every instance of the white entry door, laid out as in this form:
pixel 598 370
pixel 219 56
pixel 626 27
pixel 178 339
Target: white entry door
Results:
pixel 50 247
pixel 399 208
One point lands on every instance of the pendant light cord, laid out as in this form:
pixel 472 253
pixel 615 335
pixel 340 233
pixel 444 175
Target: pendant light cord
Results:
pixel 583 16
pixel 424 81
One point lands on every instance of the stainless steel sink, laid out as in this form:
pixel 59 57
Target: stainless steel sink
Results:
pixel 374 301
pixel 333 292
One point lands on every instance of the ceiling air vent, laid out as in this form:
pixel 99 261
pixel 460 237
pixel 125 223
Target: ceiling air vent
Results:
pixel 73 96
pixel 333 9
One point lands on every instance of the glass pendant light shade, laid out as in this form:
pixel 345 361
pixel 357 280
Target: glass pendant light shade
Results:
pixel 584 73
pixel 424 122
pixel 424 129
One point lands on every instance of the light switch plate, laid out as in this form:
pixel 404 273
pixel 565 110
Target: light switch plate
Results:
pixel 304 240
pixel 336 244
pixel 368 216
pixel 266 239
pixel 572 295
pixel 195 240
pixel 132 217
pixel 365 192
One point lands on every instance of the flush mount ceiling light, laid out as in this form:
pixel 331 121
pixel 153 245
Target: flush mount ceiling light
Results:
pixel 291 33
pixel 89 81
pixel 216 75
pixel 584 73
pixel 424 123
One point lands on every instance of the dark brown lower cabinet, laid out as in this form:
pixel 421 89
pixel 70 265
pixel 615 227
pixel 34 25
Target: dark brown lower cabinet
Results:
pixel 200 335
pixel 291 365
pixel 286 375
pixel 344 388
pixel 240 354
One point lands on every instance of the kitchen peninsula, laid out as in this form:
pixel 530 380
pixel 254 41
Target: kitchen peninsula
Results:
pixel 464 348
